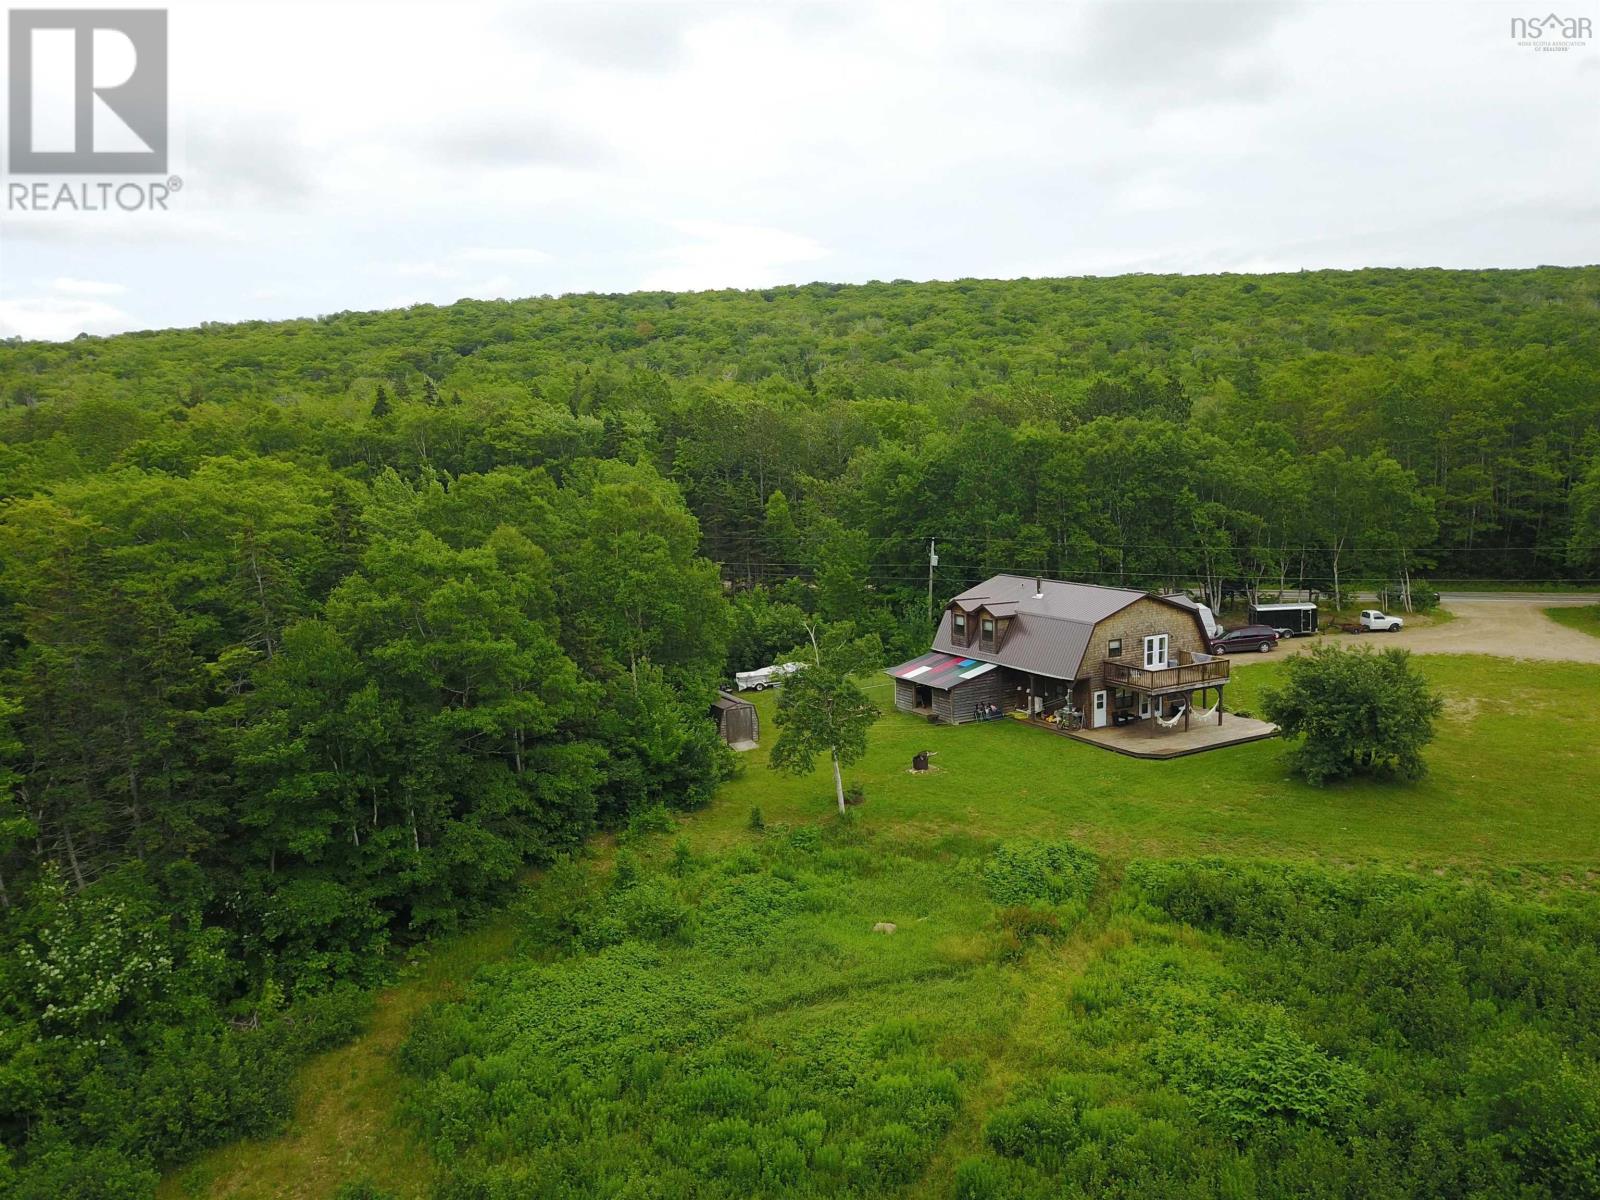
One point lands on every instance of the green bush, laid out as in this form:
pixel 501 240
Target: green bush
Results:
pixel 1243 1076
pixel 1039 1131
pixel 1039 872
pixel 1355 712
pixel 1539 1109
pixel 989 1179
pixel 652 819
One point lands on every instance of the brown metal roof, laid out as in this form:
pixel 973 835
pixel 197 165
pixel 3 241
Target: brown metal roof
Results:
pixel 1052 626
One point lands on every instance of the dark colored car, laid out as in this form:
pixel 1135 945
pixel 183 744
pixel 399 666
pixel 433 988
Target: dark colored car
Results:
pixel 1246 637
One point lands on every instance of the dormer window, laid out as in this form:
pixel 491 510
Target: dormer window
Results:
pixel 988 633
pixel 958 628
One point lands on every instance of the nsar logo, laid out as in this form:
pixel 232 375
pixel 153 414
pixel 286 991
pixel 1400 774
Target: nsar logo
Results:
pixel 1551 32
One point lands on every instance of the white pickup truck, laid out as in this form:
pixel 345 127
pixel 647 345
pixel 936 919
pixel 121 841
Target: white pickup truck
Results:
pixel 762 678
pixel 1374 621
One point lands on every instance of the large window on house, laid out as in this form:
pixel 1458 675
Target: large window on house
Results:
pixel 958 628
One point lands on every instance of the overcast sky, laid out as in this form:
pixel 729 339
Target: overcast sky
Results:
pixel 372 155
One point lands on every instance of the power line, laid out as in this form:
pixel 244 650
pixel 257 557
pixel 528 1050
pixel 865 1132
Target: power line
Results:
pixel 1171 547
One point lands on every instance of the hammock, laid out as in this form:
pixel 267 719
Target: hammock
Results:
pixel 1205 714
pixel 1172 721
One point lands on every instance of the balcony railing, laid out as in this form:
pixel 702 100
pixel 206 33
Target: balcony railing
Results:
pixel 1192 670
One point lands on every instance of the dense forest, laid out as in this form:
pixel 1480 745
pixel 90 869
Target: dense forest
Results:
pixel 315 634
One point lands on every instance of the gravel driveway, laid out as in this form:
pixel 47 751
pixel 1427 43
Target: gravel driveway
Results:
pixel 1506 624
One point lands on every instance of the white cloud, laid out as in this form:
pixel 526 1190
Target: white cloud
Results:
pixel 519 255
pixel 510 149
pixel 86 287
pixel 55 318
pixel 722 255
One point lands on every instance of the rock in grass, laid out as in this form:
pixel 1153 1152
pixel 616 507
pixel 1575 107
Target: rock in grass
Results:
pixel 883 927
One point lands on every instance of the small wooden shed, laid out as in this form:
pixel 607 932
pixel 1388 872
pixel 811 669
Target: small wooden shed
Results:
pixel 736 721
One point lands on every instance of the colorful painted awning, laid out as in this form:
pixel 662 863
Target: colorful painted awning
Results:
pixel 942 671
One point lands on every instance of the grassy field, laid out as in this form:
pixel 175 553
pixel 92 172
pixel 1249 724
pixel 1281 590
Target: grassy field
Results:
pixel 1585 618
pixel 1507 800
pixel 1510 772
pixel 1034 1021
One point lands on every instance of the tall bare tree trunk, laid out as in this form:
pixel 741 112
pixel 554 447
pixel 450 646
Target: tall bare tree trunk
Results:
pixel 72 853
pixel 838 782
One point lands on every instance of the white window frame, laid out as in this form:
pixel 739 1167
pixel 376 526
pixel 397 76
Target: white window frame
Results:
pixel 1156 648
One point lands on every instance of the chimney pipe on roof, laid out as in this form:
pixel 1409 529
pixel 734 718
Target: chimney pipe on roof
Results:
pixel 1038 587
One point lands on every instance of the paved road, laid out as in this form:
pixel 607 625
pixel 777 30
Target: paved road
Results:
pixel 1505 624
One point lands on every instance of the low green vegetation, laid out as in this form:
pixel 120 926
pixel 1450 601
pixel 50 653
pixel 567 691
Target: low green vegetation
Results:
pixel 830 1013
pixel 1079 996
pixel 1584 618
pixel 340 1132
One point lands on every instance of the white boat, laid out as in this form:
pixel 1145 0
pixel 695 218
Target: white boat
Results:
pixel 764 677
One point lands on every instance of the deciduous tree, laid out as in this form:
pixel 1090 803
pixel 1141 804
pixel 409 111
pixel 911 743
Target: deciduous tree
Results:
pixel 1357 713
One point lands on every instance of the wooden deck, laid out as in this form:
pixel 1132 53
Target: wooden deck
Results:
pixel 1143 739
pixel 1191 671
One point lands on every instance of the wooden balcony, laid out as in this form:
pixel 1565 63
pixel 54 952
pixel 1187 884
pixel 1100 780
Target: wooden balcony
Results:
pixel 1192 671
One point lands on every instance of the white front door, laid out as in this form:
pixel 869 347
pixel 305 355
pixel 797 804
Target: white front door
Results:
pixel 1097 714
pixel 1155 652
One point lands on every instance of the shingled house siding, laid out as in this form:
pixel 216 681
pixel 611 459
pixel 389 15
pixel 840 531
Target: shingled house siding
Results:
pixel 905 695
pixel 960 703
pixel 1141 619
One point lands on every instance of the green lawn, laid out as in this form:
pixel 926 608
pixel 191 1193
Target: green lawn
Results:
pixel 778 983
pixel 1585 619
pixel 1512 774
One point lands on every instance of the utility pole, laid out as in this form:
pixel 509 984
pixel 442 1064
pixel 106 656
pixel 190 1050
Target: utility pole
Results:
pixel 933 561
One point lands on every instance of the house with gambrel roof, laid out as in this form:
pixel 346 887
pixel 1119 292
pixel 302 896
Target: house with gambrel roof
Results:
pixel 1034 647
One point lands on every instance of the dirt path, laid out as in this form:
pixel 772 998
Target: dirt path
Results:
pixel 1504 624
